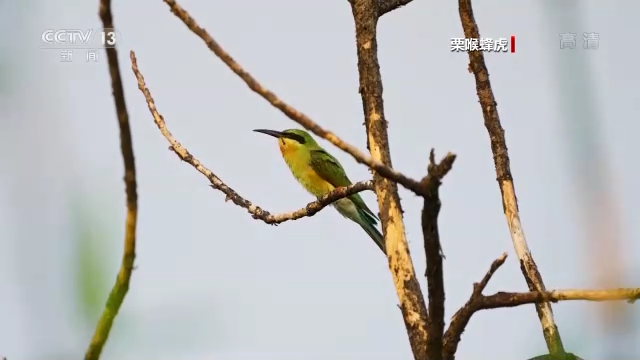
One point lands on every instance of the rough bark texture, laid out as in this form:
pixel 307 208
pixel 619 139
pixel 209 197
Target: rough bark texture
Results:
pixel 386 6
pixel 433 252
pixel 412 304
pixel 505 179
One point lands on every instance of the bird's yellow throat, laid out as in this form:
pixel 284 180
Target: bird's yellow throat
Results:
pixel 287 147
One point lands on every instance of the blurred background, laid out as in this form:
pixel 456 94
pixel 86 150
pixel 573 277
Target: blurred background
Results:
pixel 211 282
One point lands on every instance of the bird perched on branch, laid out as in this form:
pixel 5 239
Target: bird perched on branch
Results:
pixel 320 173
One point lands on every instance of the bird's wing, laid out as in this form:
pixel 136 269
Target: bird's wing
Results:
pixel 330 170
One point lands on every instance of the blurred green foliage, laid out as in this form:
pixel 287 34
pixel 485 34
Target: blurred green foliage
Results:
pixel 92 274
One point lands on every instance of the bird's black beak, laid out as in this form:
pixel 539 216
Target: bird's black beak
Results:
pixel 276 134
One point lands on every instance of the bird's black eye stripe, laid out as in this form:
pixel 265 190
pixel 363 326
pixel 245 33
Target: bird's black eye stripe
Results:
pixel 295 137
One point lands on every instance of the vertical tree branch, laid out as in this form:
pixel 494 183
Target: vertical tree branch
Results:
pixel 433 252
pixel 412 304
pixel 505 180
pixel 121 287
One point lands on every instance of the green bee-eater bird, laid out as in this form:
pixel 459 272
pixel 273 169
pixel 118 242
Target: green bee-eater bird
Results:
pixel 320 173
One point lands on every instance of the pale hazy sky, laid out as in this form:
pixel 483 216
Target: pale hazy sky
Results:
pixel 211 282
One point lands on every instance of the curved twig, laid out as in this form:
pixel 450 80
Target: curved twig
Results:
pixel 288 110
pixel 231 195
pixel 461 318
pixel 121 287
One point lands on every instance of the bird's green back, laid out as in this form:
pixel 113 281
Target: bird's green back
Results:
pixel 311 154
pixel 330 169
pixel 319 173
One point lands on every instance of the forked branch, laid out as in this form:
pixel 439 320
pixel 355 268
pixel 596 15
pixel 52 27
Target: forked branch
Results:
pixel 288 110
pixel 433 251
pixel 478 302
pixel 121 287
pixel 461 318
pixel 505 180
pixel 231 195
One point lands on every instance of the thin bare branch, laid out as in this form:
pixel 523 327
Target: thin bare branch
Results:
pixel 513 299
pixel 257 212
pixel 478 302
pixel 365 14
pixel 461 318
pixel 314 207
pixel 121 287
pixel 288 110
pixel 433 251
pixel 505 180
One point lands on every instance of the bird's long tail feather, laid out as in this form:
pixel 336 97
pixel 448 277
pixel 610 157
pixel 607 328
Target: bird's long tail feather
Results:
pixel 370 228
